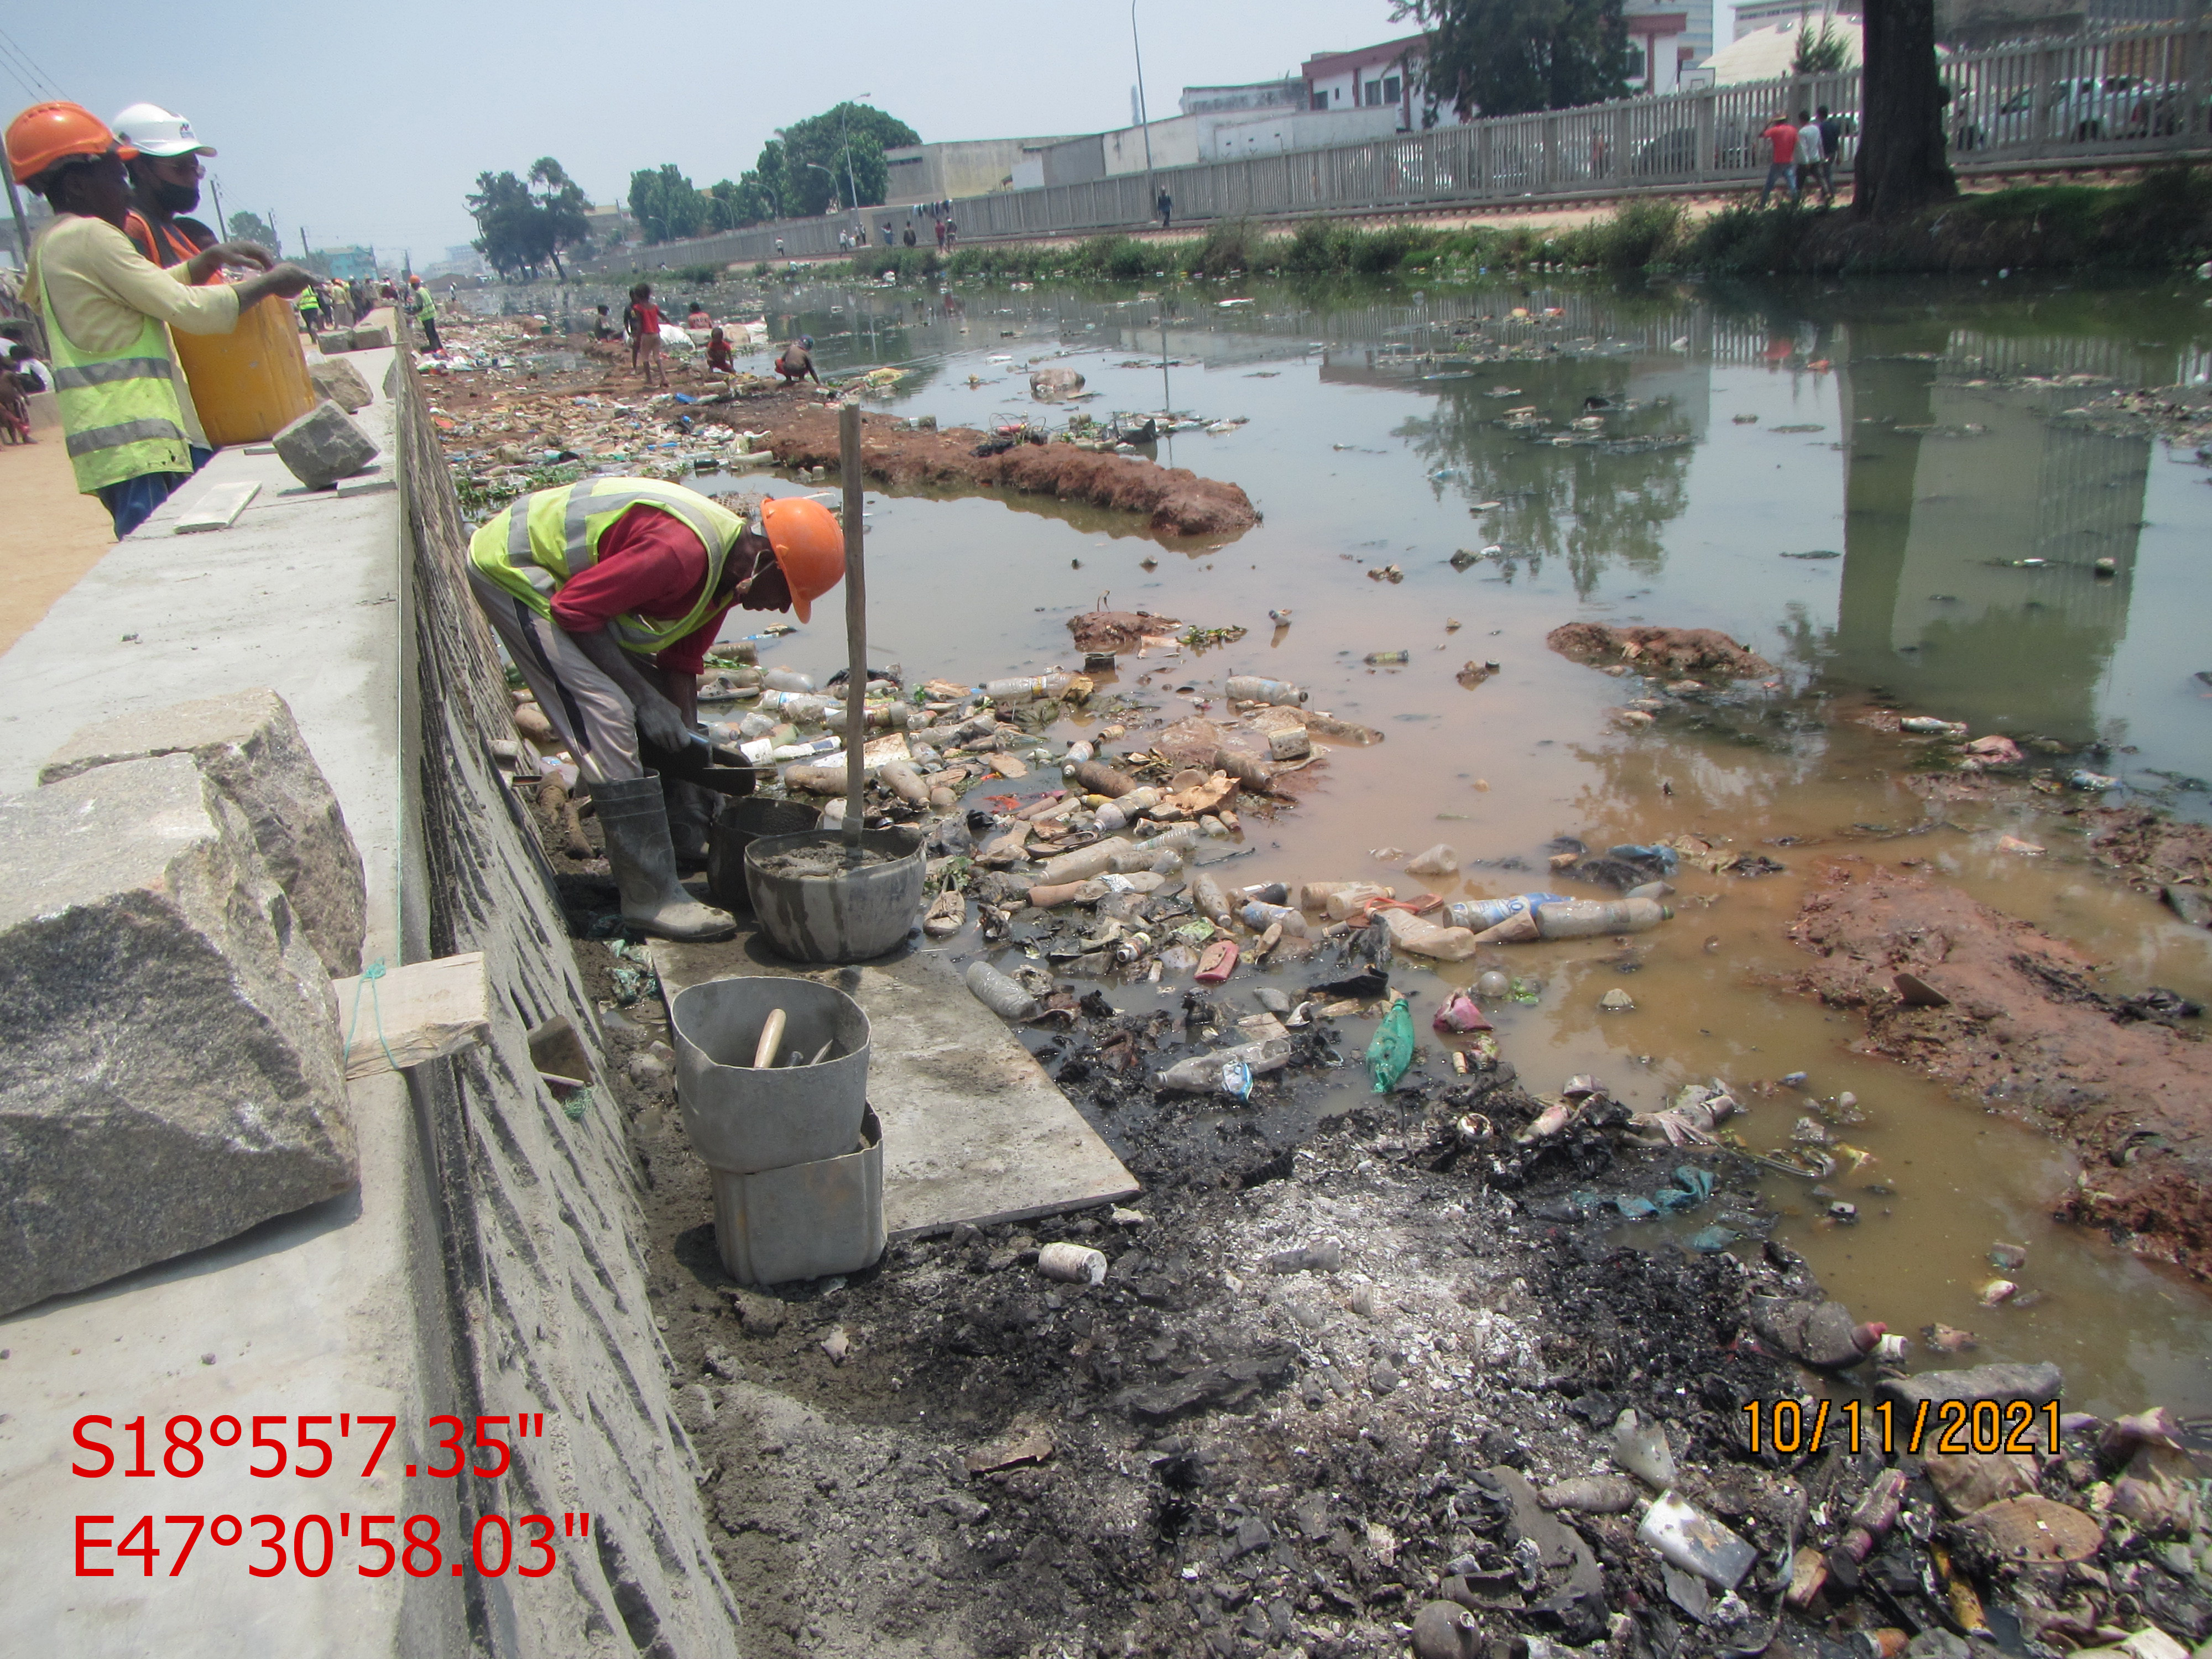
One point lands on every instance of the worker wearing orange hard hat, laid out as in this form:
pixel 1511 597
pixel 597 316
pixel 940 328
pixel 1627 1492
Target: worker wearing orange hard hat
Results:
pixel 607 594
pixel 133 435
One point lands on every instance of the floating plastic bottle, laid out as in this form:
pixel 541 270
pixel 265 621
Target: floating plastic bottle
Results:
pixel 788 679
pixel 1391 1052
pixel 1583 918
pixel 1252 688
pixel 1026 691
pixel 1479 913
pixel 1206 1073
pixel 1389 659
pixel 1259 917
pixel 1211 902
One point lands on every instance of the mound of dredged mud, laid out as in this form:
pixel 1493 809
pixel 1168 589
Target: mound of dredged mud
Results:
pixel 1682 654
pixel 2022 1024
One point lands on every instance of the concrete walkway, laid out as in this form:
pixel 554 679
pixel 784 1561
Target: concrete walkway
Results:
pixel 313 1313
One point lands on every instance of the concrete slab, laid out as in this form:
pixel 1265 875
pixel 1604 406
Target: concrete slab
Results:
pixel 973 1129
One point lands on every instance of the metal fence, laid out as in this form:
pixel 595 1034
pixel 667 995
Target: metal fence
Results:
pixel 2128 95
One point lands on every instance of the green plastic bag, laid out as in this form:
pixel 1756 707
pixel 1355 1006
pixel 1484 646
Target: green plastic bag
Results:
pixel 1392 1050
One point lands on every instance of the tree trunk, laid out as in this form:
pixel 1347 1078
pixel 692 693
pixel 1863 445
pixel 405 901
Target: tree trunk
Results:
pixel 1901 166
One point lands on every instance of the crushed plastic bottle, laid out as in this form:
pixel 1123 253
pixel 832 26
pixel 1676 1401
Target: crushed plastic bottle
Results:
pixel 1208 1073
pixel 1001 995
pixel 1259 917
pixel 1253 688
pixel 1479 913
pixel 1695 1543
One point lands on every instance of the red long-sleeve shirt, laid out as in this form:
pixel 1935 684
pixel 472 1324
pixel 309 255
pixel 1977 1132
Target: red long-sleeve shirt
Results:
pixel 652 562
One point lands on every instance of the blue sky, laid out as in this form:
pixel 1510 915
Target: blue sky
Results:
pixel 370 123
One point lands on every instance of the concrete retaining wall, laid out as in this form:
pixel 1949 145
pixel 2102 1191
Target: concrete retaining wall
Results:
pixel 546 1272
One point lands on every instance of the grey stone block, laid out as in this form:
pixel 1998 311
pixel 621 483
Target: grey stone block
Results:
pixel 250 747
pixel 337 340
pixel 341 384
pixel 171 1071
pixel 324 445
pixel 369 339
pixel 2038 1383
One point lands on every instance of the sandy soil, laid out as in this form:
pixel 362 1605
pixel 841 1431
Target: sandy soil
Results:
pixel 54 534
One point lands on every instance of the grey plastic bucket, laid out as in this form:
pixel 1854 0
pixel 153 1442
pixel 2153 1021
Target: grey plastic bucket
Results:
pixel 806 1221
pixel 740 1119
pixel 854 916
pixel 744 820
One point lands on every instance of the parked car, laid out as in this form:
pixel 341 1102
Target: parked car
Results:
pixel 2088 110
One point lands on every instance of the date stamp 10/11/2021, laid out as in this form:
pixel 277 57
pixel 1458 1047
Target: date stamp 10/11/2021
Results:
pixel 282 1447
pixel 1949 1428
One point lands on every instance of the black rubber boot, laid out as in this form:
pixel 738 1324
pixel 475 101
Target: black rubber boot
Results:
pixel 633 819
pixel 691 820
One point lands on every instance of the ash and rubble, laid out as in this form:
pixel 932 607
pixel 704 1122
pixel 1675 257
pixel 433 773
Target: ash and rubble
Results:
pixel 1338 1363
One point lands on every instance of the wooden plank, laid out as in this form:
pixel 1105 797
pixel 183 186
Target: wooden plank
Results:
pixel 417 1012
pixel 217 508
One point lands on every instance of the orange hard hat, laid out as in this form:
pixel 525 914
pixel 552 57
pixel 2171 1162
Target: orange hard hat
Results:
pixel 46 134
pixel 810 545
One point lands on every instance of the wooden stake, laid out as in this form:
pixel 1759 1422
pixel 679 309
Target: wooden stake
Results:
pixel 856 623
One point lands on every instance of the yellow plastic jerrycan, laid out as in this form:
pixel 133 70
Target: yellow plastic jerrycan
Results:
pixel 250 384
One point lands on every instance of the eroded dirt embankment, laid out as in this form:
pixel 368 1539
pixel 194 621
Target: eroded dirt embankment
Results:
pixel 1175 500
pixel 1992 1005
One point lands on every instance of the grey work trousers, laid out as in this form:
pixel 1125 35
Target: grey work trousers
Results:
pixel 593 715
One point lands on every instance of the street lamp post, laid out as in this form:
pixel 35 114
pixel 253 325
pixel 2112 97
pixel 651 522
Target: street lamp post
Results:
pixel 1144 118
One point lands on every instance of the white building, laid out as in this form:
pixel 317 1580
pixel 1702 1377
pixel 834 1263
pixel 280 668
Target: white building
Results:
pixel 1670 39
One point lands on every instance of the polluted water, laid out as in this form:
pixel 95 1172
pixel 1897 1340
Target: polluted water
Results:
pixel 1995 551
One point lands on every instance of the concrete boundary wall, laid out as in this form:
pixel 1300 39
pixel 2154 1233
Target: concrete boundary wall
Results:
pixel 2012 106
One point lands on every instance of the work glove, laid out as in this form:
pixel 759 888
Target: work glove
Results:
pixel 660 723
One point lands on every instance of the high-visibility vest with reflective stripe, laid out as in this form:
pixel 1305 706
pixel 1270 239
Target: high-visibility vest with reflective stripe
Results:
pixel 543 538
pixel 119 412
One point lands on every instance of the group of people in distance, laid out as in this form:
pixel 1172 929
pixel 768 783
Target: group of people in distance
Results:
pixel 1801 156
pixel 640 324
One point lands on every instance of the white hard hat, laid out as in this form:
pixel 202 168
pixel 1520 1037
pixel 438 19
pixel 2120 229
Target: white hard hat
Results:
pixel 152 130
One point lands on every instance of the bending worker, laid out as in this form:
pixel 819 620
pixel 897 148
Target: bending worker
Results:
pixel 133 435
pixel 607 594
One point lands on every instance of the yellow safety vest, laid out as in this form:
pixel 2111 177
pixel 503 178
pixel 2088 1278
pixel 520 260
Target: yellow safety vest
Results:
pixel 543 538
pixel 120 412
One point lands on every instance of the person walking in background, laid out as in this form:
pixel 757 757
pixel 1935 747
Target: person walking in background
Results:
pixel 1810 158
pixel 940 235
pixel 1832 129
pixel 648 333
pixel 1781 166
pixel 629 326
pixel 309 305
pixel 1164 207
pixel 14 407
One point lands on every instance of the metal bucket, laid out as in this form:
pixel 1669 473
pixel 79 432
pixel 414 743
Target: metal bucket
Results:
pixel 744 820
pixel 741 1120
pixel 807 1221
pixel 851 916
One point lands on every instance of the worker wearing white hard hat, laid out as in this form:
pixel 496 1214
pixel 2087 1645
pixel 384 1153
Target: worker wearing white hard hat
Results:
pixel 165 184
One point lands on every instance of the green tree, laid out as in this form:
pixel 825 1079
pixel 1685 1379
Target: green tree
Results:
pixel 523 225
pixel 502 210
pixel 845 144
pixel 1821 52
pixel 559 208
pixel 1509 57
pixel 665 203
pixel 251 227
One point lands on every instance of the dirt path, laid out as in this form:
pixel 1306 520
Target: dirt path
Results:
pixel 54 534
pixel 1991 1005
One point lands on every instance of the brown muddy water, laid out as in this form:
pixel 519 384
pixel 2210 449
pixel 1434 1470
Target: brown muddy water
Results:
pixel 1912 440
